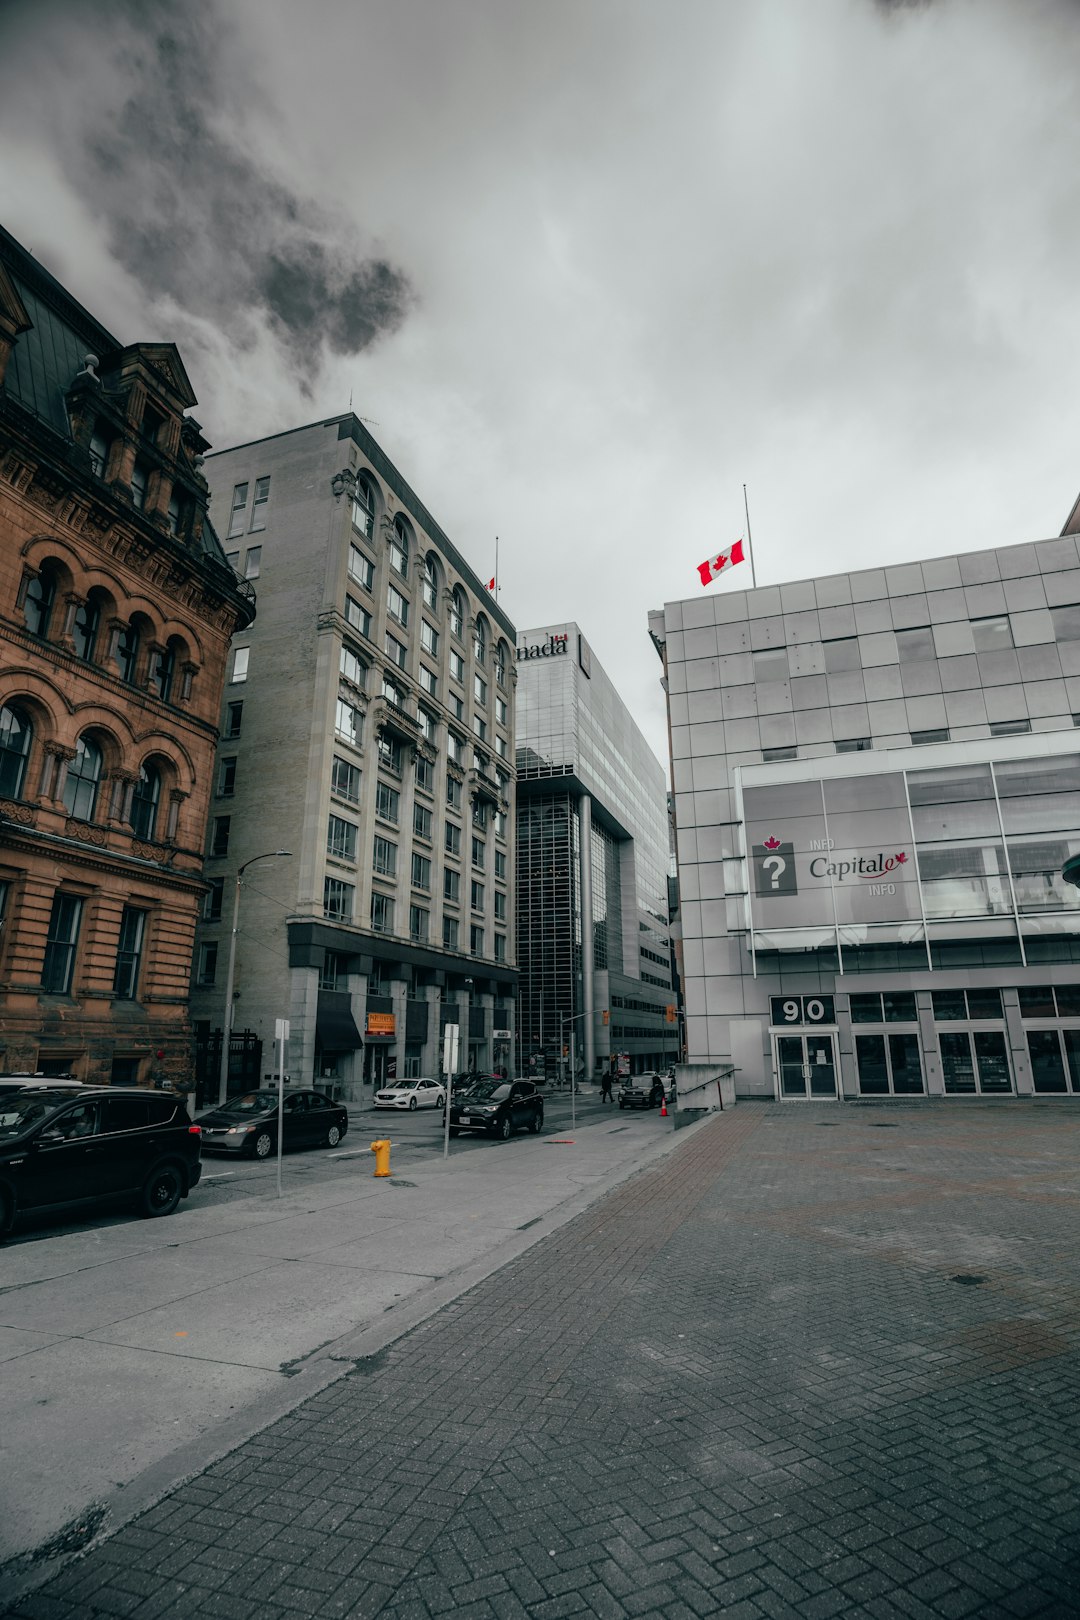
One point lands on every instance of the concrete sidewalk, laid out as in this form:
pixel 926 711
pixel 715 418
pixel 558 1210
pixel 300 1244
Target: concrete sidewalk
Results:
pixel 134 1352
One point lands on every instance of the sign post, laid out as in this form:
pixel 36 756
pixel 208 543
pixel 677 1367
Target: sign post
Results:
pixel 451 1034
pixel 281 1035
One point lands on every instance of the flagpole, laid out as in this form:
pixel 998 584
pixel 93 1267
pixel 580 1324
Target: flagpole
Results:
pixel 749 541
pixel 496 568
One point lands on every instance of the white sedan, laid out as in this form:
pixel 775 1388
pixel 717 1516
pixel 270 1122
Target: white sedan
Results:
pixel 412 1094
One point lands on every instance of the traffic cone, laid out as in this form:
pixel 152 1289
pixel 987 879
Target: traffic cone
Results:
pixel 663 1108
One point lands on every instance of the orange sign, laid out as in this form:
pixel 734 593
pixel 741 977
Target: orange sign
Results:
pixel 380 1023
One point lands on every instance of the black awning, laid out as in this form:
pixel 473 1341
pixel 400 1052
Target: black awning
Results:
pixel 335 1026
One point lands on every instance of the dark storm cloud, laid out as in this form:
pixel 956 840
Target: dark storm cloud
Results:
pixel 192 214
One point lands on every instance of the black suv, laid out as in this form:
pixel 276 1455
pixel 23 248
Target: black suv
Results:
pixel 498 1107
pixel 66 1149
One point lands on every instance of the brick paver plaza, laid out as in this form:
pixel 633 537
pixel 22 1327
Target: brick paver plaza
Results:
pixel 818 1361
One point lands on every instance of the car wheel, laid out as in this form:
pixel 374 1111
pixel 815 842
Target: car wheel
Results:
pixel 263 1145
pixel 506 1130
pixel 536 1124
pixel 162 1190
pixel 412 1104
pixel 333 1136
pixel 7 1213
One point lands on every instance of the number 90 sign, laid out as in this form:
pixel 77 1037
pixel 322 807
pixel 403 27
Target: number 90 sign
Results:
pixel 802 1010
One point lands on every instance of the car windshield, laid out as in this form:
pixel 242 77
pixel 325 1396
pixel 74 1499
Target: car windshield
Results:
pixel 253 1102
pixel 21 1109
pixel 495 1090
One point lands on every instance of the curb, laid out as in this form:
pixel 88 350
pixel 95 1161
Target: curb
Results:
pixel 309 1375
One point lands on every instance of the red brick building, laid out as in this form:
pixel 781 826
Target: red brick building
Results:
pixel 116 611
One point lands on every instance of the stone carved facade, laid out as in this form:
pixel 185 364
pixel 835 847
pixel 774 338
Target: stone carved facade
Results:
pixel 116 611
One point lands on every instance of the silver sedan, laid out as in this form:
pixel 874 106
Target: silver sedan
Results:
pixel 411 1094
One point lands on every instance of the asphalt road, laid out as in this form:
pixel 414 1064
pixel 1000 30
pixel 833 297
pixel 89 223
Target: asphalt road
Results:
pixel 415 1136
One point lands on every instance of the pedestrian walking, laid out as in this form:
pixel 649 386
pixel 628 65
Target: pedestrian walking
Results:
pixel 605 1089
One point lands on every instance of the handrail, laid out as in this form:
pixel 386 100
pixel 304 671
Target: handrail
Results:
pixel 713 1079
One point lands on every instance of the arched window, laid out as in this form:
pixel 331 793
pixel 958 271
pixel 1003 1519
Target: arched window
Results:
pixel 399 547
pixel 363 508
pixel 431 582
pixel 457 612
pixel 501 662
pixel 38 602
pixel 127 652
pixel 163 672
pixel 480 641
pixel 84 629
pixel 144 802
pixel 16 735
pixel 83 780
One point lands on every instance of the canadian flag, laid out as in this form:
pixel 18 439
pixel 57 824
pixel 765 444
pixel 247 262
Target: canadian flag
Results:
pixel 723 559
pixel 491 583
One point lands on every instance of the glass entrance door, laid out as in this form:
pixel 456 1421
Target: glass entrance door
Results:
pixel 806 1065
pixel 975 1061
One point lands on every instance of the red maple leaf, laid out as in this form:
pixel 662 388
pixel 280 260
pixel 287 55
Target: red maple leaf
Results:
pixel 901 858
pixel 772 843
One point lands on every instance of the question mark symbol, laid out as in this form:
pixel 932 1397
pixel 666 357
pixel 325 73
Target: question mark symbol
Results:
pixel 777 865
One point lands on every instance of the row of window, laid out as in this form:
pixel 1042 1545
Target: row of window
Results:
pixel 937 734
pixel 126 649
pixel 137 802
pixel 338 902
pixel 62 944
pixel 915 645
pixel 899 1006
pixel 238 511
pixel 179 508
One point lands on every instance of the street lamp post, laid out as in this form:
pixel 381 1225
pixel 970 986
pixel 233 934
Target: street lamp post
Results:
pixel 563 1021
pixel 226 1031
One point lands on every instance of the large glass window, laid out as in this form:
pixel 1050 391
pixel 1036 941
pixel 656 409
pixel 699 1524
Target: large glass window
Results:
pixel 345 780
pixel 431 583
pixel 424 774
pixel 350 668
pixel 363 508
pixel 361 568
pixel 129 954
pixel 358 616
pixel 916 645
pixel 84 629
pixel 338 899
pixel 421 872
pixel 387 803
pixel 382 913
pixel 452 886
pixel 236 514
pixel 419 918
pixel 974 1061
pixel 127 653
pixel 258 508
pixel 341 839
pixel 16 735
pixel 993 634
pixel 888 1064
pixel 349 723
pixel 422 822
pixel 384 857
pixel 145 798
pixel 83 780
pixel 38 602
pixel 399 547
pixel 1055 1060
pixel 457 613
pixel 1066 622
pixel 450 929
pixel 60 944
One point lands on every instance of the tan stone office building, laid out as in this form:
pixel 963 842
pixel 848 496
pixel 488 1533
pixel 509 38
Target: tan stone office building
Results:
pixel 367 728
pixel 116 610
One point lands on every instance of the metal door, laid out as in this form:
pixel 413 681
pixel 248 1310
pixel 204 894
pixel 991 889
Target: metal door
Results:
pixel 805 1065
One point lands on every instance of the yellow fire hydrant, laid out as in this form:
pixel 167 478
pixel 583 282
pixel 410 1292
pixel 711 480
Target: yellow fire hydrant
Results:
pixel 381 1151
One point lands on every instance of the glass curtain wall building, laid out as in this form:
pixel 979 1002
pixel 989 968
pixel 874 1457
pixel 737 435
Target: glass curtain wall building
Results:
pixel 593 953
pixel 877 783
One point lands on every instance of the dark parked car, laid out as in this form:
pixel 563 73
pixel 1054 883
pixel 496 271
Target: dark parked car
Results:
pixel 641 1091
pixel 499 1107
pixel 62 1149
pixel 248 1124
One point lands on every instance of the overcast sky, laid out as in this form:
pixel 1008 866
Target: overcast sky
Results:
pixel 590 265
